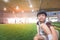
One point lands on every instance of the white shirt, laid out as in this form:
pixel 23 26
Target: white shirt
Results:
pixel 39 29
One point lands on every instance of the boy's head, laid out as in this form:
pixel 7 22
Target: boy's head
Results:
pixel 42 16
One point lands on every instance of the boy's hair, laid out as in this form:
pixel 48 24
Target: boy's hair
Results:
pixel 41 12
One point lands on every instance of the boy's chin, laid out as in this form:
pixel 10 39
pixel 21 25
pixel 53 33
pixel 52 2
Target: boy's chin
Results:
pixel 41 21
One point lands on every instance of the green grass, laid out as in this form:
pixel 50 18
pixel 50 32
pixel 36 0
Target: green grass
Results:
pixel 17 31
pixel 56 24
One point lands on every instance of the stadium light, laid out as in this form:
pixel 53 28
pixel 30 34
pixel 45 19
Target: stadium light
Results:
pixel 17 7
pixel 32 10
pixel 30 5
pixel 5 9
pixel 6 1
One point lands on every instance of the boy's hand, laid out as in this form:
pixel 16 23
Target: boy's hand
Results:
pixel 40 37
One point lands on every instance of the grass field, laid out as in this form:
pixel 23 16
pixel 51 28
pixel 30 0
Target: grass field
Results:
pixel 19 31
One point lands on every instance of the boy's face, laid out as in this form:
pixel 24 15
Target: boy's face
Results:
pixel 42 17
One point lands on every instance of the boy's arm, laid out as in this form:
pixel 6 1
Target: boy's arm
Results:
pixel 46 30
pixel 54 33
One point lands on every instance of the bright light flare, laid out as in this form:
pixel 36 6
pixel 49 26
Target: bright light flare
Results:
pixel 6 1
pixel 5 9
pixel 17 7
pixel 32 10
pixel 21 20
pixel 30 6
pixel 11 20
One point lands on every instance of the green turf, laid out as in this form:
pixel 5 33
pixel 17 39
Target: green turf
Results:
pixel 17 31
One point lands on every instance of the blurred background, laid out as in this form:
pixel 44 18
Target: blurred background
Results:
pixel 18 17
pixel 24 11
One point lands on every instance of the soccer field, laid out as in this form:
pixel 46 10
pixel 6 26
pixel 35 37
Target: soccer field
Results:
pixel 18 31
